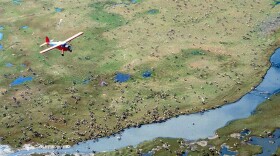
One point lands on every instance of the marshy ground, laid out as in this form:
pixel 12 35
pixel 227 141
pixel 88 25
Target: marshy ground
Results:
pixel 201 54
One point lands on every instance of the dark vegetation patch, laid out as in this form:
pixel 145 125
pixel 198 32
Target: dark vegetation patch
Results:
pixel 100 14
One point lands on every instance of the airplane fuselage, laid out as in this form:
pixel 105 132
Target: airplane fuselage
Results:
pixel 63 47
pixel 60 45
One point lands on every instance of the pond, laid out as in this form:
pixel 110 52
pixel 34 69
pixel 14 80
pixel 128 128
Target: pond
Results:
pixel 277 2
pixel 226 152
pixel 120 77
pixel 245 132
pixel 1 36
pixel 9 65
pixel 269 145
pixel 147 74
pixel 153 11
pixel 20 80
pixel 17 2
pixel 58 9
pixel 24 27
pixel 134 1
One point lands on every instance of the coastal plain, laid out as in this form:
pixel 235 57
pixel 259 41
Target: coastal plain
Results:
pixel 201 55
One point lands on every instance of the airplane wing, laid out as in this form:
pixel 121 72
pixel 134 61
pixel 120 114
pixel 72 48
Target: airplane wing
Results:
pixel 73 37
pixel 50 48
pixel 43 44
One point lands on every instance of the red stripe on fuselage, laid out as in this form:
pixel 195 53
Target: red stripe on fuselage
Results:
pixel 62 48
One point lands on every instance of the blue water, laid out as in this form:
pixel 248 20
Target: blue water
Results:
pixel 134 1
pixel 226 152
pixel 269 145
pixel 120 77
pixel 150 153
pixel 17 2
pixel 1 27
pixel 20 80
pixel 185 153
pixel 147 74
pixel 9 65
pixel 245 132
pixel 1 36
pixel 182 127
pixel 86 81
pixel 58 9
pixel 24 27
pixel 153 11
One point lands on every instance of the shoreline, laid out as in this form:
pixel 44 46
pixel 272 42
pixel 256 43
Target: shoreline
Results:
pixel 30 146
pixel 18 137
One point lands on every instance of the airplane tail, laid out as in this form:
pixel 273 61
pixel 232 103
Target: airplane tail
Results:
pixel 47 42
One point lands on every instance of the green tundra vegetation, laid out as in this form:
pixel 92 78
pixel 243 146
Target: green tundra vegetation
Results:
pixel 202 54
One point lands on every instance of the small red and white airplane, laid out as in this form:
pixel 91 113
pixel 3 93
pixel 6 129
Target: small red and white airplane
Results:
pixel 61 45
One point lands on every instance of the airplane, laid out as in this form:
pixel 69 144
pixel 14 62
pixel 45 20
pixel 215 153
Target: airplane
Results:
pixel 61 45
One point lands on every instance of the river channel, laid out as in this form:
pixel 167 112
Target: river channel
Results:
pixel 191 127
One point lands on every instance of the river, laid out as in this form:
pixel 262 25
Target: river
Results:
pixel 192 127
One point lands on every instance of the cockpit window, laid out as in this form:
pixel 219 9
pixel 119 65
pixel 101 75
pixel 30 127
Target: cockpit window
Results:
pixel 65 45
